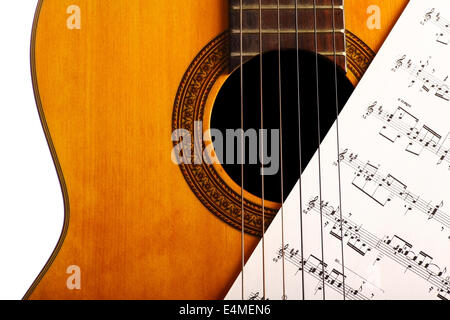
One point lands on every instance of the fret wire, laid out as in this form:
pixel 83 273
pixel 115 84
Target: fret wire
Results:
pixel 275 31
pixel 323 53
pixel 343 20
pixel 269 30
pixel 288 7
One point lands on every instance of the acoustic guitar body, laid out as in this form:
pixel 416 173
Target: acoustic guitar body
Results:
pixel 111 92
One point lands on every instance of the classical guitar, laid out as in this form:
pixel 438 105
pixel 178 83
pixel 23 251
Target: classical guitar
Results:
pixel 122 84
pixel 31 206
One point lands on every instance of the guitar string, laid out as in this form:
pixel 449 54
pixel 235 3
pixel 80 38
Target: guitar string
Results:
pixel 261 146
pixel 280 98
pixel 338 148
pixel 242 149
pixel 319 141
pixel 299 146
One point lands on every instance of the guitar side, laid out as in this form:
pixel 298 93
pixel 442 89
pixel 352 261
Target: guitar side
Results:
pixel 33 206
pixel 107 90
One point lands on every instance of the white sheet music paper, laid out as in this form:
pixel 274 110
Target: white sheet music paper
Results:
pixel 395 177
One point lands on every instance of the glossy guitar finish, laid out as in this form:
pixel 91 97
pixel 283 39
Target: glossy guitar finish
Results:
pixel 136 230
pixel 31 203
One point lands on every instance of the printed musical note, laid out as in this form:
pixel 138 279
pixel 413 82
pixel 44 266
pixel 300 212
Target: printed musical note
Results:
pixel 280 254
pixel 401 123
pixel 434 17
pixel 400 246
pixel 366 182
pixel 444 294
pixel 394 248
pixel 318 269
pixel 311 204
pixel 255 296
pixel 358 245
pixel 384 188
pixel 428 80
pixel 382 219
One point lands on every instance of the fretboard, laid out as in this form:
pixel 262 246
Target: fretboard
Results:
pixel 324 28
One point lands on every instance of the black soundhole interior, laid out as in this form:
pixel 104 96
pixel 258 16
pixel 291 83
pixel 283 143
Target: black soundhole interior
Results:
pixel 227 113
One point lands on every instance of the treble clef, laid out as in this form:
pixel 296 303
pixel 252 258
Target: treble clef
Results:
pixel 311 204
pixel 399 63
pixel 428 16
pixel 342 155
pixel 254 296
pixel 370 109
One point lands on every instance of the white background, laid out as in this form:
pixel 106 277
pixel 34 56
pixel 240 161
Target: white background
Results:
pixel 31 203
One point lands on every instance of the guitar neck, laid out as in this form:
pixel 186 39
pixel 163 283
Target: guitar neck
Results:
pixel 315 21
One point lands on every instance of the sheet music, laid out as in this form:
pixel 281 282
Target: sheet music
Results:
pixel 394 143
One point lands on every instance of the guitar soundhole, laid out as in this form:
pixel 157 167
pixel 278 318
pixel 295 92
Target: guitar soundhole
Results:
pixel 226 114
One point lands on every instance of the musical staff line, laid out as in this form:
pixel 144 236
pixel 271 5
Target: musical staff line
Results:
pixel 434 17
pixel 254 296
pixel 429 82
pixel 314 266
pixel 383 188
pixel 394 248
pixel 361 277
pixel 401 123
pixel 393 227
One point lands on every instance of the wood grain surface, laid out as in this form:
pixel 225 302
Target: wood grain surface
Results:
pixel 107 92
